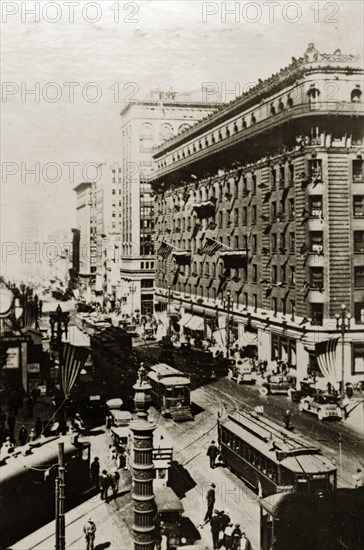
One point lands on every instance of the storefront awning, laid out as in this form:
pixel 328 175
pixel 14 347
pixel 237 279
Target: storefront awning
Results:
pixel 184 319
pixel 195 323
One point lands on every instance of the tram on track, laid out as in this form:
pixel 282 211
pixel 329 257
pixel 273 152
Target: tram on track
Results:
pixel 171 392
pixel 27 492
pixel 270 459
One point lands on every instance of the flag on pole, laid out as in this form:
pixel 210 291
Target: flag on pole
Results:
pixel 211 246
pixel 326 358
pixel 165 250
pixel 73 359
pixel 30 314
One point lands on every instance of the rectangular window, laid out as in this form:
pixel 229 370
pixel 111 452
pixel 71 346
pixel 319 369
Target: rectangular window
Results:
pixel 315 206
pixel 254 213
pixel 220 219
pixel 317 277
pixel 292 275
pixel 283 274
pixel 282 243
pixel 273 177
pixel 358 206
pixel 292 242
pixel 255 274
pixel 236 217
pixel 291 172
pixel 316 241
pixel 274 306
pixel 358 170
pixel 255 301
pixel 315 169
pixel 245 215
pixel 359 313
pixel 245 187
pixel 236 242
pixel 246 299
pixel 358 241
pixel 358 359
pixel 273 211
pixel 254 184
pixel 317 314
pixel 291 211
pixel 273 242
pixel 274 274
pixel 283 306
pixel 282 175
pixel 254 243
pixel 359 276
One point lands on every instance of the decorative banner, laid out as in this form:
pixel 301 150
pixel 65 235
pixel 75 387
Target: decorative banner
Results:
pixel 73 360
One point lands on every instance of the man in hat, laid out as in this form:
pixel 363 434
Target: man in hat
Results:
pixel 212 453
pixel 210 497
pixel 215 524
pixel 245 543
pixel 89 529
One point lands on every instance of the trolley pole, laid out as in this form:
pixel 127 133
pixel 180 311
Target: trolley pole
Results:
pixel 60 496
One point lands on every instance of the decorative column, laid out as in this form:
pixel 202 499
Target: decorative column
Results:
pixel 142 467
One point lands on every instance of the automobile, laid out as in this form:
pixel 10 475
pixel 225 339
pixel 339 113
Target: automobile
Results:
pixel 323 405
pixel 169 518
pixel 278 383
pixel 305 390
pixel 241 371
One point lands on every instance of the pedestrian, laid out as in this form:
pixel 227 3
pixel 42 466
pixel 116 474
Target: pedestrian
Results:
pixel 8 446
pixel 95 472
pixel 224 521
pixel 245 543
pixel 23 435
pixel 228 537
pixel 90 529
pixel 358 478
pixel 213 453
pixel 104 481
pixel 349 390
pixel 32 436
pixel 287 419
pixel 38 427
pixel 115 479
pixel 210 497
pixel 236 536
pixel 215 529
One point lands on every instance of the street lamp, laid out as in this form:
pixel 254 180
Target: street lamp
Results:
pixel 227 305
pixel 343 324
pixel 132 289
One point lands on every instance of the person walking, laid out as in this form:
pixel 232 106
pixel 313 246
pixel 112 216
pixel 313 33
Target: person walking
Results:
pixel 115 480
pixel 245 543
pixel 23 435
pixel 90 530
pixel 210 497
pixel 236 536
pixel 215 529
pixel 104 481
pixel 32 436
pixel 95 472
pixel 287 419
pixel 228 537
pixel 212 453
pixel 224 521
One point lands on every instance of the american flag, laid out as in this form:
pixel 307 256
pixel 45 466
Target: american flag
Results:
pixel 326 358
pixel 73 359
pixel 30 314
pixel 165 250
pixel 211 246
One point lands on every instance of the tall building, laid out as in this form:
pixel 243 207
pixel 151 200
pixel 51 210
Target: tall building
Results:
pixel 87 226
pixel 259 216
pixel 145 124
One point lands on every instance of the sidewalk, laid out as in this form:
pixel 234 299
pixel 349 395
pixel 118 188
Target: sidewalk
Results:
pixel 355 415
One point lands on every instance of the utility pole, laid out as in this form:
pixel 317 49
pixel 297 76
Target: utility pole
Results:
pixel 343 324
pixel 60 497
pixel 228 309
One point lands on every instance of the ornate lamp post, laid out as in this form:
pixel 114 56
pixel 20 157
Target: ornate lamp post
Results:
pixel 228 305
pixel 343 324
pixel 142 467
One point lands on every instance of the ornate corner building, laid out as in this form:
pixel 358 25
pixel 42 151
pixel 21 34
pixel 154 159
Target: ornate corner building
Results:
pixel 259 214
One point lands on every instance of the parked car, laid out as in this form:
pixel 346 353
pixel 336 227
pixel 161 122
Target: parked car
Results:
pixel 306 390
pixel 324 406
pixel 169 518
pixel 278 383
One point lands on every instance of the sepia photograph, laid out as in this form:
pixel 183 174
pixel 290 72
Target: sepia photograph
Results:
pixel 182 275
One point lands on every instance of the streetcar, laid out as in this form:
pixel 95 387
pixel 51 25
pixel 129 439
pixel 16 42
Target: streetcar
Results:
pixel 270 459
pixel 170 391
pixel 28 484
pixel 306 521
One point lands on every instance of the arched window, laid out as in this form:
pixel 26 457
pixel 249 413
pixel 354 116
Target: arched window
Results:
pixel 227 132
pixel 253 119
pixel 165 132
pixel 244 123
pixel 184 127
pixel 356 95
pixel 213 139
pixel 220 136
pixel 313 95
pixel 146 131
pixel 281 106
pixel 236 129
pixel 289 102
pixel 272 110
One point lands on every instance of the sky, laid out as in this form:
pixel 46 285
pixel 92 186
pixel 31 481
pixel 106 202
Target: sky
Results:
pixel 84 66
